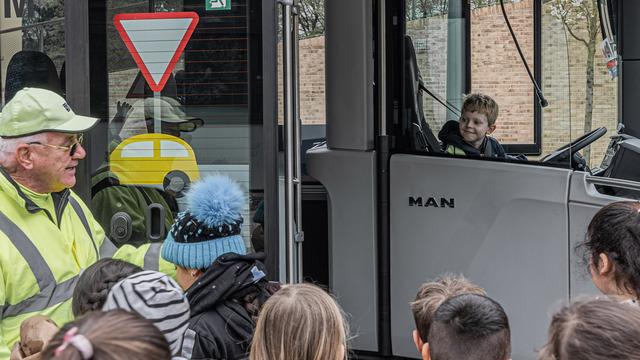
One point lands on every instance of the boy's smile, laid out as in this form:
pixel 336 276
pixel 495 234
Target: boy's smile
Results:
pixel 474 126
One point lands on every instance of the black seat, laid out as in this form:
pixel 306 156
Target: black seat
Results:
pixel 421 135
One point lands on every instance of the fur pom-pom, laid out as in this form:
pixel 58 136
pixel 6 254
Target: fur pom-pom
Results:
pixel 216 200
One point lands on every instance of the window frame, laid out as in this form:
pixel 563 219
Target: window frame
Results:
pixel 530 149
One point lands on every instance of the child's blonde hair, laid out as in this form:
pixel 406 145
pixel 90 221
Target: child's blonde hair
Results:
pixel 299 322
pixel 483 104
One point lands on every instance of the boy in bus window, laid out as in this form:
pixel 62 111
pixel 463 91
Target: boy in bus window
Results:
pixel 470 135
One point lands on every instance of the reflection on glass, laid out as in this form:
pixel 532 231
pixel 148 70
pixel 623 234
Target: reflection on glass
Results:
pixel 203 112
pixel 577 70
pixel 32 47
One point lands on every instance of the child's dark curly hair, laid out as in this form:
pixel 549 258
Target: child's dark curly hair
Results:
pixel 95 282
pixel 615 232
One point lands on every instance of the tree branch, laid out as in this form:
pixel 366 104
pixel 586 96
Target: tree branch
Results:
pixel 573 35
pixel 563 18
pixel 592 21
pixel 585 6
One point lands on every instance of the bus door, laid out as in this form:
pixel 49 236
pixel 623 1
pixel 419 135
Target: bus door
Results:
pixel 180 118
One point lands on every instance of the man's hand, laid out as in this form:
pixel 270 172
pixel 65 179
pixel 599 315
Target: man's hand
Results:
pixel 123 110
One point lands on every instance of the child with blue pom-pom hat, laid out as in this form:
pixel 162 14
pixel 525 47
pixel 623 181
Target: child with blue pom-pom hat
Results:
pixel 225 286
pixel 210 228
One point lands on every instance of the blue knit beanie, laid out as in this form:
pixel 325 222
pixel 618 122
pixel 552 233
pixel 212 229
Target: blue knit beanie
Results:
pixel 210 227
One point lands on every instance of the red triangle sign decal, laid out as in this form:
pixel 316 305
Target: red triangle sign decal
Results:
pixel 156 41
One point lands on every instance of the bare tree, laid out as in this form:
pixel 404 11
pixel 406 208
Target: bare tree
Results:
pixel 418 9
pixel 475 4
pixel 311 18
pixel 580 18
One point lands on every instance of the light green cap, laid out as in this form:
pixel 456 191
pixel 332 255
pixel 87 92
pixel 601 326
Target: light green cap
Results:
pixel 34 110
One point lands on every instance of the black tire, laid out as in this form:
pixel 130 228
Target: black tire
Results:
pixel 176 183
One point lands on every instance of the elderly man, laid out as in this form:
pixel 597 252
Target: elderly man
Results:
pixel 47 234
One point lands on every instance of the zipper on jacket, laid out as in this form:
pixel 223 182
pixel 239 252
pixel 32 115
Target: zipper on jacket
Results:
pixel 61 205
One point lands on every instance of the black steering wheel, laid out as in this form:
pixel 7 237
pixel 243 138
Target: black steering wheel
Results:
pixel 566 152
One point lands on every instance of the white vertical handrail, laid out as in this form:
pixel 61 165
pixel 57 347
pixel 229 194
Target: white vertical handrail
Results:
pixel 297 146
pixel 293 183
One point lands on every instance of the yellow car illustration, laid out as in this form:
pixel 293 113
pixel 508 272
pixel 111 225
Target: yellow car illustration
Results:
pixel 154 159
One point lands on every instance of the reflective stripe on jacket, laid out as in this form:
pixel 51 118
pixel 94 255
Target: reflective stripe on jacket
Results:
pixel 42 252
pixel 452 150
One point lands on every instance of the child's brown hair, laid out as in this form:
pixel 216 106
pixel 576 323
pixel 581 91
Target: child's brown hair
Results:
pixel 483 104
pixel 109 335
pixel 432 294
pixel 595 329
pixel 95 282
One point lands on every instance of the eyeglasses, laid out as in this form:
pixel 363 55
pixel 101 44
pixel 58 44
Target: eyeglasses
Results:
pixel 71 148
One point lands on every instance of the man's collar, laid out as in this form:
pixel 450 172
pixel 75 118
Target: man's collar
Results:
pixel 29 204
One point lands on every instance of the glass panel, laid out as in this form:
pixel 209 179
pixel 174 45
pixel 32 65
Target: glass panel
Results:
pixel 311 69
pixel 462 48
pixel 32 50
pixel 438 38
pixel 495 66
pixel 498 71
pixel 575 61
pixel 198 125
pixel 311 65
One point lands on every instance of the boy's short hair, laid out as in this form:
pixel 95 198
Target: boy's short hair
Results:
pixel 432 294
pixel 471 327
pixel 483 104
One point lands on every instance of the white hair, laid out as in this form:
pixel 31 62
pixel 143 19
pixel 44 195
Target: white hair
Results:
pixel 8 145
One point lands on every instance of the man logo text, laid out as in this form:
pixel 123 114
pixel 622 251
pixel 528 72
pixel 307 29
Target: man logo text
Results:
pixel 432 202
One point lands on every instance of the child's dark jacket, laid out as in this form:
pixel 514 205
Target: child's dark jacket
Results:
pixel 224 306
pixel 453 143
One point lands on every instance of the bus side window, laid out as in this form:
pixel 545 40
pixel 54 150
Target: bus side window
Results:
pixel 172 149
pixel 138 149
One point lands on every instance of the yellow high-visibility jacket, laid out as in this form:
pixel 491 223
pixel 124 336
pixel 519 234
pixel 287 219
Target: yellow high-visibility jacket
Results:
pixel 46 240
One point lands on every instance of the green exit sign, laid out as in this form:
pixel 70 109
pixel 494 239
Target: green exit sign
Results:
pixel 218 4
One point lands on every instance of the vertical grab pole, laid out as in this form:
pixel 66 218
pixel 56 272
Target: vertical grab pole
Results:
pixel 157 113
pixel 297 146
pixel 383 156
pixel 290 148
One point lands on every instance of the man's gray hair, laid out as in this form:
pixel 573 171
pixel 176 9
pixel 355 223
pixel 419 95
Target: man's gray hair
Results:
pixel 8 145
